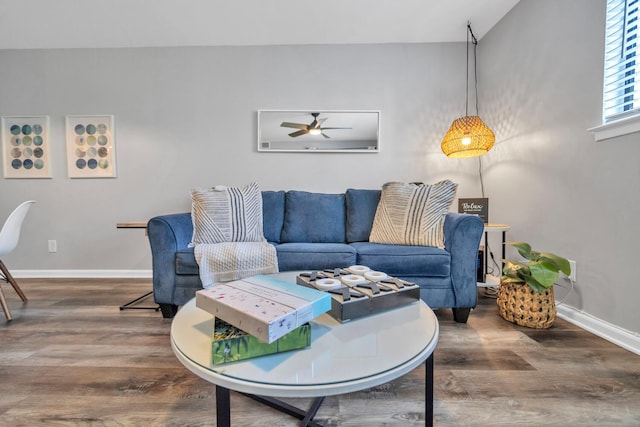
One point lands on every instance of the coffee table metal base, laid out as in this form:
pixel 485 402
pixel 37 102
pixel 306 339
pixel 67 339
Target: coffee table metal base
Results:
pixel 223 403
pixel 306 417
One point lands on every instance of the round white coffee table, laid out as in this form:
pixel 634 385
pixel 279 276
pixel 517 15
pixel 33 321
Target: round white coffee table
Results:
pixel 342 358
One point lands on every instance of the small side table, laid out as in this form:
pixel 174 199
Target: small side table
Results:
pixel 492 228
pixel 131 304
pixel 133 224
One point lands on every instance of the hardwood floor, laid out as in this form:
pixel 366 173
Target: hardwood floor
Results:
pixel 70 357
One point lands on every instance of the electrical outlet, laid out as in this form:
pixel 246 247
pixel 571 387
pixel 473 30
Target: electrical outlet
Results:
pixel 573 274
pixel 53 246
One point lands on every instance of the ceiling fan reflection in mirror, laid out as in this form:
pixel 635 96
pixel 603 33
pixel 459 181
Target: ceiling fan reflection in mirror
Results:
pixel 313 128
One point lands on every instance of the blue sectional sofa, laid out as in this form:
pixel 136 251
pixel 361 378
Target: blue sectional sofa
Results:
pixel 315 231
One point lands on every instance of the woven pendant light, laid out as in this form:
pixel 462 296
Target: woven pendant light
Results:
pixel 468 136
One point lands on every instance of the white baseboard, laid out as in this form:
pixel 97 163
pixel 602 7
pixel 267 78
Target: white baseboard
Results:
pixel 81 274
pixel 612 333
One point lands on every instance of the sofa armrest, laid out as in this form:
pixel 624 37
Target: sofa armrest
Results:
pixel 167 234
pixel 462 235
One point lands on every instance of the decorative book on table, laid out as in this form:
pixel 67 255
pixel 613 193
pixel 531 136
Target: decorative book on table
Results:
pixel 263 306
pixel 230 344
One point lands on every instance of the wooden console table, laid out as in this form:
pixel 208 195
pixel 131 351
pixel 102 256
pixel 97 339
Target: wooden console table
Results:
pixel 133 224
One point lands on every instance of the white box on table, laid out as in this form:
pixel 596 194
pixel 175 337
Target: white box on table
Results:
pixel 263 306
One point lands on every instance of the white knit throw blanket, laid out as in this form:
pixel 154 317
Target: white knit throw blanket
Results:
pixel 223 262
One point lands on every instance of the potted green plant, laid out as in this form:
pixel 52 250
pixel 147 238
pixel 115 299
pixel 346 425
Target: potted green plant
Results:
pixel 526 296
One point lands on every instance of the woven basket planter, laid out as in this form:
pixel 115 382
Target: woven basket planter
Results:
pixel 520 304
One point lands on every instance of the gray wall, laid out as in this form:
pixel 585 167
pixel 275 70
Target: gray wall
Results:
pixel 561 191
pixel 187 117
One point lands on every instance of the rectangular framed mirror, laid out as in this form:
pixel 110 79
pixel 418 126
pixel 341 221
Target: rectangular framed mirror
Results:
pixel 319 131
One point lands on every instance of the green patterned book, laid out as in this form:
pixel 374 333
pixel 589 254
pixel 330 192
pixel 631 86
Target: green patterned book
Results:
pixel 230 344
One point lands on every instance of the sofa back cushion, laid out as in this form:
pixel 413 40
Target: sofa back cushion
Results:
pixel 272 214
pixel 313 218
pixel 361 210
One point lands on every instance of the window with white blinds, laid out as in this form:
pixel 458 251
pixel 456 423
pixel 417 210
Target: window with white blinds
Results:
pixel 621 85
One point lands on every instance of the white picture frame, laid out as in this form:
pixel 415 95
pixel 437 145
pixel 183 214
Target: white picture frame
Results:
pixel 26 147
pixel 91 146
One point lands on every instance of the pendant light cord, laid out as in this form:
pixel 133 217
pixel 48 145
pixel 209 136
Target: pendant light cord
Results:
pixel 466 105
pixel 474 41
pixel 480 173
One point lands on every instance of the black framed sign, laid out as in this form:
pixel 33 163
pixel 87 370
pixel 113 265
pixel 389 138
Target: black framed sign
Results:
pixel 477 206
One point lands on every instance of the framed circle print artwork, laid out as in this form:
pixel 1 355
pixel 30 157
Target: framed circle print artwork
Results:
pixel 91 147
pixel 26 149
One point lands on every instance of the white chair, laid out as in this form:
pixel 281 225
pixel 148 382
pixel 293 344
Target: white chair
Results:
pixel 9 236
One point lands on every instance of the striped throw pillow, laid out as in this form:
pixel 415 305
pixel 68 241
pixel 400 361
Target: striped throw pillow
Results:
pixel 226 214
pixel 412 214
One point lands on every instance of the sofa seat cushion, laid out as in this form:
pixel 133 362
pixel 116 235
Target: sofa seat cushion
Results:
pixel 291 256
pixel 314 256
pixel 399 260
pixel 186 262
pixel 313 218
